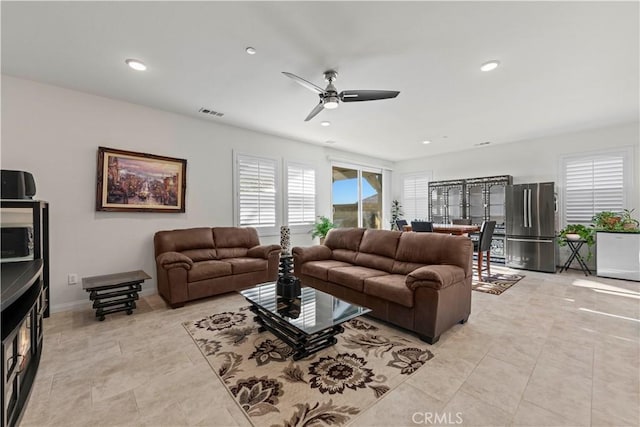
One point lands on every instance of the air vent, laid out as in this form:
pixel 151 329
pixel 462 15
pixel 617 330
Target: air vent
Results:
pixel 480 144
pixel 210 112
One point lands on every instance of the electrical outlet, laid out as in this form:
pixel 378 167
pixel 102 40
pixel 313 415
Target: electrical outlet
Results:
pixel 72 279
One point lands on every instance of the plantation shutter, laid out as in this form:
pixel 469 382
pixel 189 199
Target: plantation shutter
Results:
pixel 415 197
pixel 301 194
pixel 256 191
pixel 593 185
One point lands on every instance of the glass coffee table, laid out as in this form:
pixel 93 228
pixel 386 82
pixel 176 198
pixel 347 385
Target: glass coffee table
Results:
pixel 308 323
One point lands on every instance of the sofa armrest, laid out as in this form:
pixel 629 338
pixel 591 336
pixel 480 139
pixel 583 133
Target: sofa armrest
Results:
pixel 169 260
pixel 263 251
pixel 311 253
pixel 435 276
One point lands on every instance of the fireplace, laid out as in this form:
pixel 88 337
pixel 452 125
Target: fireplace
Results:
pixel 21 344
pixel 17 355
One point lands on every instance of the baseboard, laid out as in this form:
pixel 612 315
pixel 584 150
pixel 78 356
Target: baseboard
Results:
pixel 85 304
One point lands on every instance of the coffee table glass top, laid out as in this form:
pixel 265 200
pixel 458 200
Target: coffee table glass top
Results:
pixel 314 311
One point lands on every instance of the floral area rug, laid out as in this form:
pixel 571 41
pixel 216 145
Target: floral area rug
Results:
pixel 496 283
pixel 330 387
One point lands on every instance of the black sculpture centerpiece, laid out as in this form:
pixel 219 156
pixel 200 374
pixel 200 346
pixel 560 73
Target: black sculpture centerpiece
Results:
pixel 287 286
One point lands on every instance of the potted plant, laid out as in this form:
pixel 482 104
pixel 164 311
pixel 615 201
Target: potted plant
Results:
pixel 628 222
pixel 616 221
pixel 577 232
pixel 396 214
pixel 607 220
pixel 321 228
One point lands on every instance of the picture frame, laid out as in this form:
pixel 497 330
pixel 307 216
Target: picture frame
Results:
pixel 140 182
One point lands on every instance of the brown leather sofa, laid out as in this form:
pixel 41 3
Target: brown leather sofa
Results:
pixel 200 262
pixel 419 281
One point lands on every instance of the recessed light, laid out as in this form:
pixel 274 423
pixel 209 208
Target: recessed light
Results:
pixel 325 123
pixel 135 64
pixel 490 65
pixel 330 142
pixel 426 141
pixel 251 50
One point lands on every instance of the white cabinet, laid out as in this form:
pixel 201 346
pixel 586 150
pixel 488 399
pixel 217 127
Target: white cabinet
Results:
pixel 618 255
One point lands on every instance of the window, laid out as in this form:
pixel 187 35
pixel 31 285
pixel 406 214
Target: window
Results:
pixel 356 197
pixel 415 197
pixel 257 193
pixel 301 195
pixel 593 184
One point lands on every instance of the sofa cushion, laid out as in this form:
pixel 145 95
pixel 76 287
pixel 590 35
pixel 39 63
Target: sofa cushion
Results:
pixel 182 240
pixel 344 255
pixel 344 238
pixel 235 237
pixel 391 287
pixel 246 265
pixel 400 267
pixel 231 252
pixel 200 254
pixel 320 269
pixel 207 270
pixel 380 242
pixel 352 277
pixel 435 249
pixel 374 261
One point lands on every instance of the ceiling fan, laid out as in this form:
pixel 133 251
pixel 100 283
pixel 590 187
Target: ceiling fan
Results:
pixel 329 97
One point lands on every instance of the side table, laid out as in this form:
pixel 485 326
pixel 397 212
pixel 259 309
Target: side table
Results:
pixel 112 293
pixel 575 246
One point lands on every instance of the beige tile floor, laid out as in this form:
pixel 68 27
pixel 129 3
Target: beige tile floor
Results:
pixel 554 350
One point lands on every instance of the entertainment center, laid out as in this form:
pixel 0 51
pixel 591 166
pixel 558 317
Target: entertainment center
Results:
pixel 24 301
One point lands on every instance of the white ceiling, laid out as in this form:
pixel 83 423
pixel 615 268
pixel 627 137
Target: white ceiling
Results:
pixel 565 65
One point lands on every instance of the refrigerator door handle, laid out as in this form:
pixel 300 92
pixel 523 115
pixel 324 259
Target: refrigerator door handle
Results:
pixel 529 207
pixel 531 240
pixel 524 207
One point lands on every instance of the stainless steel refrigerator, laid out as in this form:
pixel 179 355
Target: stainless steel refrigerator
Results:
pixel 530 229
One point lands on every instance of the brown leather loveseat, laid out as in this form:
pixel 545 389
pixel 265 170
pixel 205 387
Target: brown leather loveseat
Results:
pixel 200 262
pixel 419 281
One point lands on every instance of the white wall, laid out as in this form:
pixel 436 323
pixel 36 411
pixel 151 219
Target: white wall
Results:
pixel 54 133
pixel 536 160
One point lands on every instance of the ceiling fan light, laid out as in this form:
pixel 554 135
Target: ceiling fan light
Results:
pixel 135 64
pixel 490 65
pixel 331 102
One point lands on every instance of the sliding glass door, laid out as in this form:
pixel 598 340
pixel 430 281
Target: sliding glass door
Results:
pixel 356 197
pixel 371 184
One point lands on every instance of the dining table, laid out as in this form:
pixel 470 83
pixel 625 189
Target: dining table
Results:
pixel 455 229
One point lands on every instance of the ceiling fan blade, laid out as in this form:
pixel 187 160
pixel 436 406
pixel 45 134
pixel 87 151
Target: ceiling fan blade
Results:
pixel 315 111
pixel 304 83
pixel 366 95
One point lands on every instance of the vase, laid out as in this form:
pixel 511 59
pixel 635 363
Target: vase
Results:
pixel 287 285
pixel 285 238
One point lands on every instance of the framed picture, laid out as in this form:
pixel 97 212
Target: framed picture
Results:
pixel 140 182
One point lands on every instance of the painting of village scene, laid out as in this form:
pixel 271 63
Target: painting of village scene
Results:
pixel 130 181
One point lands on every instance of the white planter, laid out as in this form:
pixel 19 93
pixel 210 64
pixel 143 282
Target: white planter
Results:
pixel 618 255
